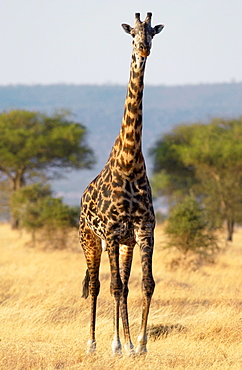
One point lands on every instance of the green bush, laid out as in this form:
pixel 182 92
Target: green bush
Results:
pixel 38 210
pixel 187 230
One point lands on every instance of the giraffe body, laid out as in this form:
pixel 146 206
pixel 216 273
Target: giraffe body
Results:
pixel 116 208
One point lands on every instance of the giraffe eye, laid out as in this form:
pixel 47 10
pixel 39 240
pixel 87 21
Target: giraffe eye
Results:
pixel 132 33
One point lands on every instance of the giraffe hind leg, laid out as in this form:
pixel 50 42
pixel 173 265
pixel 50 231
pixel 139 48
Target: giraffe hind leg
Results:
pixel 91 245
pixel 126 257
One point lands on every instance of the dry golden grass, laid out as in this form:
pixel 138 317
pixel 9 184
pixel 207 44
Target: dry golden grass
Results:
pixel 195 319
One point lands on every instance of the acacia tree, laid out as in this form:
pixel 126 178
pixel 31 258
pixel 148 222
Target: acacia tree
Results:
pixel 212 155
pixel 32 143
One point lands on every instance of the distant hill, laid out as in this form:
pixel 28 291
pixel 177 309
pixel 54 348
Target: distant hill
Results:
pixel 100 109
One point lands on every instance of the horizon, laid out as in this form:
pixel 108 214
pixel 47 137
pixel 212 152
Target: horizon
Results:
pixel 113 84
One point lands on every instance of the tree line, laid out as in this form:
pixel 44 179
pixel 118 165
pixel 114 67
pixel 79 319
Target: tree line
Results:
pixel 203 161
pixel 197 168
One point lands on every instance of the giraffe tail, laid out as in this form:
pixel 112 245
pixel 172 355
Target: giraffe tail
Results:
pixel 85 285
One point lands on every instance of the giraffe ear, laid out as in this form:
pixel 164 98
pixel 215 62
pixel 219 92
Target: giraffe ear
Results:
pixel 127 28
pixel 157 29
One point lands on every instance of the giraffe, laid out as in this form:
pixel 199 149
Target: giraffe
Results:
pixel 116 208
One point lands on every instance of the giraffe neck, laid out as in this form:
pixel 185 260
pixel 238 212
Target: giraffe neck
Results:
pixel 128 144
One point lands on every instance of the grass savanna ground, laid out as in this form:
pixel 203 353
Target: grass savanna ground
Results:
pixel 195 318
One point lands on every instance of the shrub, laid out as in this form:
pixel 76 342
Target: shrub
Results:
pixel 38 210
pixel 188 232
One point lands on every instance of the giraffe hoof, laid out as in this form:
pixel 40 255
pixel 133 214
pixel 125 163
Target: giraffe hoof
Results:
pixel 116 347
pixel 141 349
pixel 129 349
pixel 91 347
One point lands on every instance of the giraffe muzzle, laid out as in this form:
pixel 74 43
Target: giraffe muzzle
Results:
pixel 144 51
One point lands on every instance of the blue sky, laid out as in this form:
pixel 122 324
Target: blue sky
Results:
pixel 81 42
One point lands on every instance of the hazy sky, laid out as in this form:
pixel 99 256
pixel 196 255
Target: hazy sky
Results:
pixel 75 41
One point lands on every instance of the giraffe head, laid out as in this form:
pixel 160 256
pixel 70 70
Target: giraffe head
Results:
pixel 142 33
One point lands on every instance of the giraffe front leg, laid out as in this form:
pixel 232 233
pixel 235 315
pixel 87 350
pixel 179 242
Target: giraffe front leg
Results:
pixel 142 338
pixel 148 286
pixel 116 344
pixel 115 290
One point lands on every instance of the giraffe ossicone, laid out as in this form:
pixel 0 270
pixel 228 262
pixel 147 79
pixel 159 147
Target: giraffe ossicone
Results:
pixel 116 208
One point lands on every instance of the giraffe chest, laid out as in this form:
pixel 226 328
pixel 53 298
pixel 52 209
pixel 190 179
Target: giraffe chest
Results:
pixel 123 199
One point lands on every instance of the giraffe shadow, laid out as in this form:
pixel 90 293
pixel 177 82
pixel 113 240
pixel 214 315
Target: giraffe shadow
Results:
pixel 162 331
